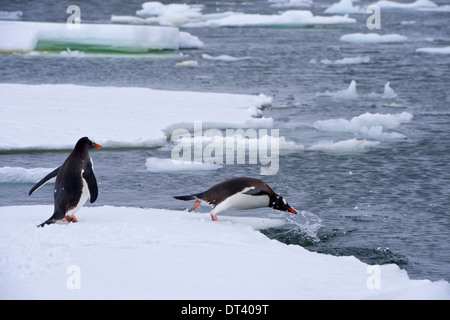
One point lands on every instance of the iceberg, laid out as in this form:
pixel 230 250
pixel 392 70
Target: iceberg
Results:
pixel 118 116
pixel 348 94
pixel 372 38
pixel 24 36
pixel 178 255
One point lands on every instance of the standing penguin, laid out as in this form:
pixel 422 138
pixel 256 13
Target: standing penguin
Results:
pixel 240 194
pixel 75 183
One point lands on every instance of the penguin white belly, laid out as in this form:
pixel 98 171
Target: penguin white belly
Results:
pixel 241 201
pixel 83 198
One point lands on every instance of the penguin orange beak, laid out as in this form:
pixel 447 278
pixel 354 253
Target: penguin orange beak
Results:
pixel 97 146
pixel 292 210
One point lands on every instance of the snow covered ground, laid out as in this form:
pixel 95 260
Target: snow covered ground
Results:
pixel 134 253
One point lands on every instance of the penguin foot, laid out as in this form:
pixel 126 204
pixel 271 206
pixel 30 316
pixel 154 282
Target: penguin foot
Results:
pixel 195 206
pixel 70 219
pixel 214 217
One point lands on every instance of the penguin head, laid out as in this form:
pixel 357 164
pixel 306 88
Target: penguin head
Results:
pixel 280 203
pixel 86 144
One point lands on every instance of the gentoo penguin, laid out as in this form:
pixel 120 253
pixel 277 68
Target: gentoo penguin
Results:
pixel 75 183
pixel 239 194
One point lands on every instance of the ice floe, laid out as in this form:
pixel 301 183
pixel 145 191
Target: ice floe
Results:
pixel 224 57
pixel 21 36
pixel 371 125
pixel 344 7
pixel 117 116
pixel 373 38
pixel 345 146
pixel 186 15
pixel 154 164
pixel 348 60
pixel 418 4
pixel 443 50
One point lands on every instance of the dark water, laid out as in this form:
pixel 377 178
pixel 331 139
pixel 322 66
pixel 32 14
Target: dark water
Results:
pixel 389 204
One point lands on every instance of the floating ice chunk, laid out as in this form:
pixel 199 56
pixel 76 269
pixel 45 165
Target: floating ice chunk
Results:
pixel 20 38
pixel 346 146
pixel 174 12
pixel 23 175
pixel 443 50
pixel 348 94
pixel 372 38
pixel 291 3
pixel 11 15
pixel 290 18
pixel 224 57
pixel 168 165
pixel 388 92
pixel 26 36
pixel 368 125
pixel 418 4
pixel 187 63
pixel 349 60
pixel 343 7
pixel 188 41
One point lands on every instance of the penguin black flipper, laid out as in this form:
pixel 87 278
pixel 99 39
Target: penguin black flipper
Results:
pixel 44 180
pixel 91 181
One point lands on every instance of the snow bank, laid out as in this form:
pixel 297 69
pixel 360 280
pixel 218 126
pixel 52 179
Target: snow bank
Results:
pixel 371 125
pixel 444 50
pixel 224 57
pixel 344 7
pixel 56 116
pixel 372 38
pixel 23 175
pixel 168 165
pixel 26 36
pixel 133 253
pixel 345 146
pixel 418 4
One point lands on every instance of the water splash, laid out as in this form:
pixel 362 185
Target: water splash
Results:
pixel 306 223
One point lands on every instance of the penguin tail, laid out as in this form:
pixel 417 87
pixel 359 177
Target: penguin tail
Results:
pixel 187 198
pixel 191 197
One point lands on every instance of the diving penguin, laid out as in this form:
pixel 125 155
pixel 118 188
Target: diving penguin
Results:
pixel 75 183
pixel 240 194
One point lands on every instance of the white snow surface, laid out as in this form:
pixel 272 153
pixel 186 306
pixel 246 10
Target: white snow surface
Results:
pixel 135 253
pixel 25 36
pixel 56 116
